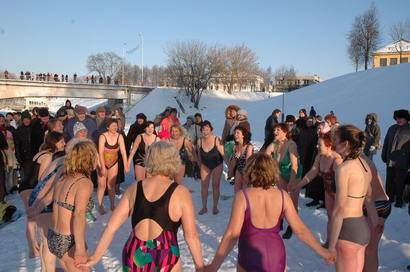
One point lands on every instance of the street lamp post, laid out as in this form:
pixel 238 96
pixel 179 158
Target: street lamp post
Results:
pixel 123 64
pixel 142 58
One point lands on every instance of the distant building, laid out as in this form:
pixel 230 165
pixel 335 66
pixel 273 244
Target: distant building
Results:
pixel 253 83
pixel 296 82
pixel 392 54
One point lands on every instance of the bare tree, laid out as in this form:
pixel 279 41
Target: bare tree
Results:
pixel 354 49
pixel 240 67
pixel 285 78
pixel 105 64
pixel 364 35
pixel 399 32
pixel 193 65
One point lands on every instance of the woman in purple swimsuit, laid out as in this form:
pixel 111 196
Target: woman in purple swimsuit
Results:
pixel 255 221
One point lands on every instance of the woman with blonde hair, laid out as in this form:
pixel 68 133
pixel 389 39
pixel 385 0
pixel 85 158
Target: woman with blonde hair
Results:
pixel 157 206
pixel 255 222
pixel 72 199
pixel 185 148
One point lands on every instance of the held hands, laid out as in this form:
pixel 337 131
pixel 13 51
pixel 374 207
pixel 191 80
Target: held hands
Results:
pixel 329 256
pixel 87 263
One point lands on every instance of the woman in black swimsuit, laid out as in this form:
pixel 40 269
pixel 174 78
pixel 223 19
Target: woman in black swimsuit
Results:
pixel 72 199
pixel 109 144
pixel 139 149
pixel 210 157
pixel 185 148
pixel 349 228
pixel 242 150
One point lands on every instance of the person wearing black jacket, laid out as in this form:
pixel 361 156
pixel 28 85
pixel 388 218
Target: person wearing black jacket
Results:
pixel 135 129
pixel 396 155
pixel 38 129
pixel 24 153
pixel 372 133
pixel 3 147
pixel 270 123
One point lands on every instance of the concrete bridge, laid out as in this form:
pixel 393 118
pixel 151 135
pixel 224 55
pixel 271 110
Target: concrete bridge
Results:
pixel 11 88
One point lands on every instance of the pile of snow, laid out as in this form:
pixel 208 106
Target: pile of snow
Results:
pixel 351 97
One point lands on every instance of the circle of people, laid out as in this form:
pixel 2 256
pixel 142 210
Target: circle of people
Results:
pixel 64 158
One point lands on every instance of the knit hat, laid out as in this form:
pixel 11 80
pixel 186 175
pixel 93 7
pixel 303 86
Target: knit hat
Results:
pixel 242 112
pixel 401 114
pixel 43 112
pixel 25 114
pixel 80 109
pixel 190 117
pixel 77 127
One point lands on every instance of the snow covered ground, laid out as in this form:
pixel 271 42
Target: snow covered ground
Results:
pixel 351 97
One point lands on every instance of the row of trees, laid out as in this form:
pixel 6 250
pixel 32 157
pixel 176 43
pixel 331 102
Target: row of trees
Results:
pixel 193 66
pixel 365 36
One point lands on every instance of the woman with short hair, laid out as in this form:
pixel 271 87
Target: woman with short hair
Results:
pixel 210 157
pixel 255 222
pixel 157 206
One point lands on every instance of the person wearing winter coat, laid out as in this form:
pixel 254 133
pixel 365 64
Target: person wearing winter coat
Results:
pixel 80 116
pixel 241 120
pixel 24 150
pixel 39 128
pixel 271 122
pixel 193 131
pixel 396 155
pixel 166 124
pixel 372 133
pixel 312 112
pixel 135 129
pixel 230 116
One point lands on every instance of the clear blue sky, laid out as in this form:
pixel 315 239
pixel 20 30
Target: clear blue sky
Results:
pixel 53 36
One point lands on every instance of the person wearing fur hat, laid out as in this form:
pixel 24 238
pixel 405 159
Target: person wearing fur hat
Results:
pixel 396 155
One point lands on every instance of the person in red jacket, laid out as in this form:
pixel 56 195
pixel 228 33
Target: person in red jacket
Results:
pixel 167 123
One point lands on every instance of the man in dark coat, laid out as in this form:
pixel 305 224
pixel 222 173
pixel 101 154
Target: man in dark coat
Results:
pixel 80 116
pixel 39 128
pixel 271 122
pixel 396 155
pixel 372 133
pixel 24 151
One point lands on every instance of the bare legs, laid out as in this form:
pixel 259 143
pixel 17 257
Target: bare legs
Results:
pixel 108 181
pixel 139 171
pixel 33 247
pixel 206 176
pixel 179 178
pixel 371 255
pixel 329 204
pixel 240 182
pixel 48 260
pixel 350 256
